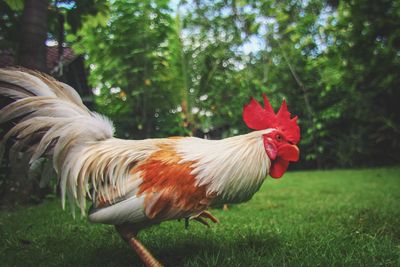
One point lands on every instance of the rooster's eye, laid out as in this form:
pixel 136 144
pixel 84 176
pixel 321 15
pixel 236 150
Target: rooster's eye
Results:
pixel 279 137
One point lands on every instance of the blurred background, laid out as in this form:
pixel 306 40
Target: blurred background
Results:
pixel 159 68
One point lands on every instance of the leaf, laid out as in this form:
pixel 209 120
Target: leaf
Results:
pixel 17 5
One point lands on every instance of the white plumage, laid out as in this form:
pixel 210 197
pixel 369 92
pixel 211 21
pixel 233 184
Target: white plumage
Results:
pixel 234 168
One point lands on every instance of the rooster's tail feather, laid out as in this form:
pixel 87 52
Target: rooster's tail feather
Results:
pixel 49 120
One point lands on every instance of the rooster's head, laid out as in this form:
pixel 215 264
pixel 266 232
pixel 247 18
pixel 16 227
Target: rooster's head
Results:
pixel 279 143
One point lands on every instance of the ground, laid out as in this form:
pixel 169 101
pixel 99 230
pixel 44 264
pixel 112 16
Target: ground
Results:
pixel 307 218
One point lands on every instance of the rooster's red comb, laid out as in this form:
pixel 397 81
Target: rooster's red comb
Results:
pixel 258 118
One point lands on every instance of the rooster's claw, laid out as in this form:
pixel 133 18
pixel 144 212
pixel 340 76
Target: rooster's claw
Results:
pixel 201 218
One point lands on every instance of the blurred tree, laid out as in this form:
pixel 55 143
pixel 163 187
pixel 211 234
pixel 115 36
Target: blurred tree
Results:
pixel 212 32
pixel 129 58
pixel 180 75
pixel 368 44
pixel 331 60
pixel 157 73
pixel 32 46
pixel 26 25
pixel 9 25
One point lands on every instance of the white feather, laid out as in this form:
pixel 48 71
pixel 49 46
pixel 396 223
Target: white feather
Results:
pixel 129 210
pixel 233 168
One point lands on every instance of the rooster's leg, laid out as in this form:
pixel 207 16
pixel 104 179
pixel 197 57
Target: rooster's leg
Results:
pixel 129 236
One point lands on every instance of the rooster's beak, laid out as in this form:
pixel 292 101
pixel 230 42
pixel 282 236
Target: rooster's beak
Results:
pixel 289 152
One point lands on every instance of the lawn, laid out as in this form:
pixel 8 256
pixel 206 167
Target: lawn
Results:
pixel 307 218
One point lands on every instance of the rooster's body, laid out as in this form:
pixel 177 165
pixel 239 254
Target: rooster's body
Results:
pixel 136 183
pixel 176 177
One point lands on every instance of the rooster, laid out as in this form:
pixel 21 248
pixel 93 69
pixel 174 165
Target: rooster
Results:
pixel 134 184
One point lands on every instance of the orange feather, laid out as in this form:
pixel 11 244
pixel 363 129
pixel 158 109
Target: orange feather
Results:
pixel 170 187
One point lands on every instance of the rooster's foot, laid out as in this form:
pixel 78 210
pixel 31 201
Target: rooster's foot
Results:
pixel 201 218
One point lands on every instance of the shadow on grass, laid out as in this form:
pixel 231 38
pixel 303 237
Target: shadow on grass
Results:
pixel 217 251
pixel 192 250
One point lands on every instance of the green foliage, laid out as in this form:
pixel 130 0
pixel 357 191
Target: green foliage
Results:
pixel 63 17
pixel 159 71
pixel 9 26
pixel 324 218
pixel 370 40
pixel 17 5
pixel 129 58
pixel 72 14
pixel 336 64
pixel 218 85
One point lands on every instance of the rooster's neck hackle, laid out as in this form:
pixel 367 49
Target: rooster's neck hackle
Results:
pixel 233 168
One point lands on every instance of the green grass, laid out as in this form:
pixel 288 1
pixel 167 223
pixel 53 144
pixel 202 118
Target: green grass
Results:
pixel 325 218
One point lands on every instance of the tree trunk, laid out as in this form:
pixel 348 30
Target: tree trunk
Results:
pixel 32 46
pixel 32 54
